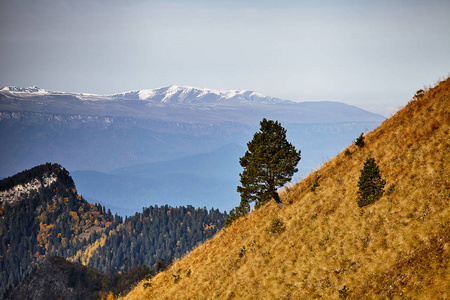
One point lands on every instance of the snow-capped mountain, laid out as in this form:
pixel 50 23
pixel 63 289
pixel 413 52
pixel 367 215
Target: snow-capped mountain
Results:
pixel 184 94
pixel 181 104
pixel 170 95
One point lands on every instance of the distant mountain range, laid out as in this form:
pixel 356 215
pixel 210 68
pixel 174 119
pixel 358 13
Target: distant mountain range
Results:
pixel 183 104
pixel 169 94
pixel 137 143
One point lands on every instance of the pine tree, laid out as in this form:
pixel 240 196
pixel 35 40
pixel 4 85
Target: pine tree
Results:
pixel 360 141
pixel 269 163
pixel 370 183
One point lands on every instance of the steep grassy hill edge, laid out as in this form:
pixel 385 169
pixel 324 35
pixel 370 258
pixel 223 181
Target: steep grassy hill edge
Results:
pixel 396 248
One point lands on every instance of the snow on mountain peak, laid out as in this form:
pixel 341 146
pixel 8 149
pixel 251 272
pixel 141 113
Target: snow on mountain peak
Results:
pixel 187 94
pixel 31 89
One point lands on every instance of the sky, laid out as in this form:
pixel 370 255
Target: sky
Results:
pixel 372 54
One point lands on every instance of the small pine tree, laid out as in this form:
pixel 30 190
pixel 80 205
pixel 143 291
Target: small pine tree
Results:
pixel 360 141
pixel 370 183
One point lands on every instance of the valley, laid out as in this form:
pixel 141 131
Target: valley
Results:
pixel 162 136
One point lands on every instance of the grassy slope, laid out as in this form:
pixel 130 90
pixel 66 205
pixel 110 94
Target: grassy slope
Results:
pixel 398 247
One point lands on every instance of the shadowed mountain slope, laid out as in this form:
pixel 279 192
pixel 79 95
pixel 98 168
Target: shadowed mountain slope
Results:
pixel 324 245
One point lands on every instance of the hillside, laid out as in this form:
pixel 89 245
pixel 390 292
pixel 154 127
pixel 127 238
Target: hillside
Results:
pixel 396 248
pixel 58 278
pixel 42 215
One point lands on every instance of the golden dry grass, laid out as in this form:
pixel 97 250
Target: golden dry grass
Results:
pixel 396 248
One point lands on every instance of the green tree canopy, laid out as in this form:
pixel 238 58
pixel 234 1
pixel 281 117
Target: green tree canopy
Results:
pixel 360 141
pixel 370 183
pixel 269 163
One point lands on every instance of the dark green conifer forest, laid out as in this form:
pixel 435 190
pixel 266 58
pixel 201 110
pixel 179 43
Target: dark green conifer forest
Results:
pixel 54 220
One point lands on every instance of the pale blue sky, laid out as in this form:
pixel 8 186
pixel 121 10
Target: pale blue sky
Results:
pixel 372 54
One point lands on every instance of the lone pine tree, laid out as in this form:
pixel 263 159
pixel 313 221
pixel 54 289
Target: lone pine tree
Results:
pixel 360 141
pixel 370 183
pixel 269 163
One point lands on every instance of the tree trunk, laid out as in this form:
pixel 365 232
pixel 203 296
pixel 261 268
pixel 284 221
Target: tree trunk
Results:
pixel 277 199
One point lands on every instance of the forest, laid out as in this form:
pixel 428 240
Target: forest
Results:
pixel 54 220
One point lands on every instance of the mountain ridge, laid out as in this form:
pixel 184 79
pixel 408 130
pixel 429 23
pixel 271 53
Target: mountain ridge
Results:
pixel 15 187
pixel 209 106
pixel 169 94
